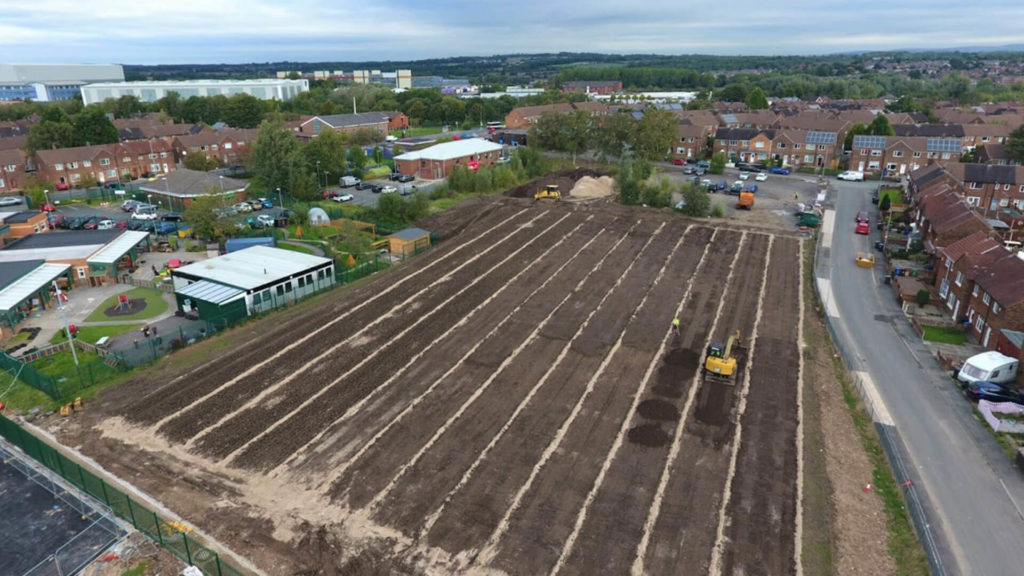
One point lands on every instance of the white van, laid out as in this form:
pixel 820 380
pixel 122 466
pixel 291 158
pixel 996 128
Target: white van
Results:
pixel 990 366
pixel 851 175
pixel 348 181
pixel 145 212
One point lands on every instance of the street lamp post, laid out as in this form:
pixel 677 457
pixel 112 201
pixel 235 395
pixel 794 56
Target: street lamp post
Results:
pixel 318 173
pixel 46 196
pixel 64 319
pixel 280 199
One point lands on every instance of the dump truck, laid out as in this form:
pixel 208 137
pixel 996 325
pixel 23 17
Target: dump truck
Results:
pixel 550 191
pixel 722 361
pixel 746 200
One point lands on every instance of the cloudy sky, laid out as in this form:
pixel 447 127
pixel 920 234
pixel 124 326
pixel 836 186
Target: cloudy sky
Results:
pixel 235 31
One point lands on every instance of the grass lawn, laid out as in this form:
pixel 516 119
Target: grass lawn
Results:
pixel 295 248
pixel 894 196
pixel 442 204
pixel 91 334
pixel 91 376
pixel 155 306
pixel 422 131
pixel 943 335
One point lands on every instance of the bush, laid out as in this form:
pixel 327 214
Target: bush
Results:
pixel 717 211
pixel 923 297
pixel 698 202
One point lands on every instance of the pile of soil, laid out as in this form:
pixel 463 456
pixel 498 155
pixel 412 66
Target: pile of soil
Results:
pixel 135 305
pixel 589 187
pixel 565 179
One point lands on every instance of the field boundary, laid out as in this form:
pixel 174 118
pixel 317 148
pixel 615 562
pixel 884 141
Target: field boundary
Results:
pixel 172 536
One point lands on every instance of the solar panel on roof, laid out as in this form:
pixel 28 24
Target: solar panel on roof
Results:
pixel 873 142
pixel 730 119
pixel 943 145
pixel 814 137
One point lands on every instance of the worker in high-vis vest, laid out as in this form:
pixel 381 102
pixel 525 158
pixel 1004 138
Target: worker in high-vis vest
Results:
pixel 675 325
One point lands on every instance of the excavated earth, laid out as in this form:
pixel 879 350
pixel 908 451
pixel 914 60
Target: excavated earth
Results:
pixel 513 400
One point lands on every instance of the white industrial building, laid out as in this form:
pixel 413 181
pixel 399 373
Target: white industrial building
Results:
pixel 250 281
pixel 264 89
pixel 48 82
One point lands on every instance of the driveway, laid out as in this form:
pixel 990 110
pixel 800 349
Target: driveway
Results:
pixel 964 492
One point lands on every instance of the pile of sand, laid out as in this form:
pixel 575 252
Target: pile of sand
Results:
pixel 590 187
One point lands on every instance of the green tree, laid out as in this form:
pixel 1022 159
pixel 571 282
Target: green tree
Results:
pixel 357 160
pixel 205 216
pixel 856 130
pixel 884 203
pixel 757 100
pixel 243 111
pixel 199 161
pixel 656 132
pixel 275 156
pixel 171 105
pixel 549 130
pixel 127 106
pixel 1014 144
pixel 732 93
pixel 627 182
pixel 328 148
pixel 717 163
pixel 93 127
pixel 612 132
pixel 49 134
pixel 698 202
pixel 193 110
pixel 880 126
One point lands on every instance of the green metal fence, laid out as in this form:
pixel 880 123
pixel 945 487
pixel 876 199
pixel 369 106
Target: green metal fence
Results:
pixel 172 536
pixel 29 375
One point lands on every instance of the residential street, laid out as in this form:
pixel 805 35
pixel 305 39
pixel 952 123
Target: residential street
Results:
pixel 971 493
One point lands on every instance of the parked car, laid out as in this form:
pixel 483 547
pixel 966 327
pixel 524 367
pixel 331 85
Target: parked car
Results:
pixel 242 207
pixel 129 205
pixel 388 189
pixel 145 212
pixel 255 223
pixel 780 171
pixel 165 227
pixel 348 181
pixel 266 203
pixel 343 198
pixel 750 188
pixel 744 175
pixel 364 186
pixel 701 171
pixel 266 219
pixel 120 224
pixel 704 164
pixel 48 207
pixel 256 204
pixel 406 178
pixel 689 169
pixel 863 228
pixel 679 162
pixel 90 223
pixel 761 176
pixel 993 392
pixel 863 216
pixel 376 188
pixel 172 217
pixel 62 186
pixel 736 188
pixel 851 175
pixel 10 201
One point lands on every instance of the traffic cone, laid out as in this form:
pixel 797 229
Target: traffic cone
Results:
pixel 867 488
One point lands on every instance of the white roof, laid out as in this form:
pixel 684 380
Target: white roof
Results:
pixel 118 247
pixel 989 360
pixel 50 253
pixel 253 267
pixel 452 150
pixel 28 284
pixel 211 292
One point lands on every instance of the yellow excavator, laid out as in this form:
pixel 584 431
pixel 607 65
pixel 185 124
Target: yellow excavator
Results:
pixel 550 191
pixel 721 363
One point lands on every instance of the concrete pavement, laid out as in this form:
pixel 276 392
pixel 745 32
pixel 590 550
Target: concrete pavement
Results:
pixel 966 493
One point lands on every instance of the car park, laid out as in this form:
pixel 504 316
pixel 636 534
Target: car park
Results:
pixel 10 201
pixel 761 176
pixel 993 392
pixel 343 198
pixel 780 171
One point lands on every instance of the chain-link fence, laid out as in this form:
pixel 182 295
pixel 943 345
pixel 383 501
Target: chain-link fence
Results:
pixel 172 535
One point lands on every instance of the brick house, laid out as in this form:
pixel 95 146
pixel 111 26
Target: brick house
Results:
pixel 796 148
pixel 943 217
pixel 12 170
pixel 527 116
pixel 397 121
pixel 956 267
pixel 988 187
pixel 993 153
pixel 898 155
pixel 744 144
pixel 105 162
pixel 23 223
pixel 228 146
pixel 997 300
pixel 438 161
pixel 378 122
pixel 693 141
pixel 602 87
pixel 980 134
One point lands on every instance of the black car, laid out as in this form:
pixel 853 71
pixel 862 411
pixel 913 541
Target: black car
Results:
pixel 376 188
pixel 172 217
pixel 993 392
pixel 394 176
pixel 406 177
pixel 364 185
pixel 688 169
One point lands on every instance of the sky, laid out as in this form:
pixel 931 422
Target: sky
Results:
pixel 239 31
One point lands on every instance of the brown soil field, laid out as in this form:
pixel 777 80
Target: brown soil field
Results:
pixel 513 401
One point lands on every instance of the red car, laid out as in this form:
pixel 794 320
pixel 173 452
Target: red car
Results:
pixel 679 161
pixel 328 193
pixel 863 228
pixel 48 207
pixel 62 186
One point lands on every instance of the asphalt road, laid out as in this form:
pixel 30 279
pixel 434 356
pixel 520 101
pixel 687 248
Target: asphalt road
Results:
pixel 972 494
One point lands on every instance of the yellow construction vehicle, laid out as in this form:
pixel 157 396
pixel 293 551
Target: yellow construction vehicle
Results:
pixel 550 191
pixel 722 362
